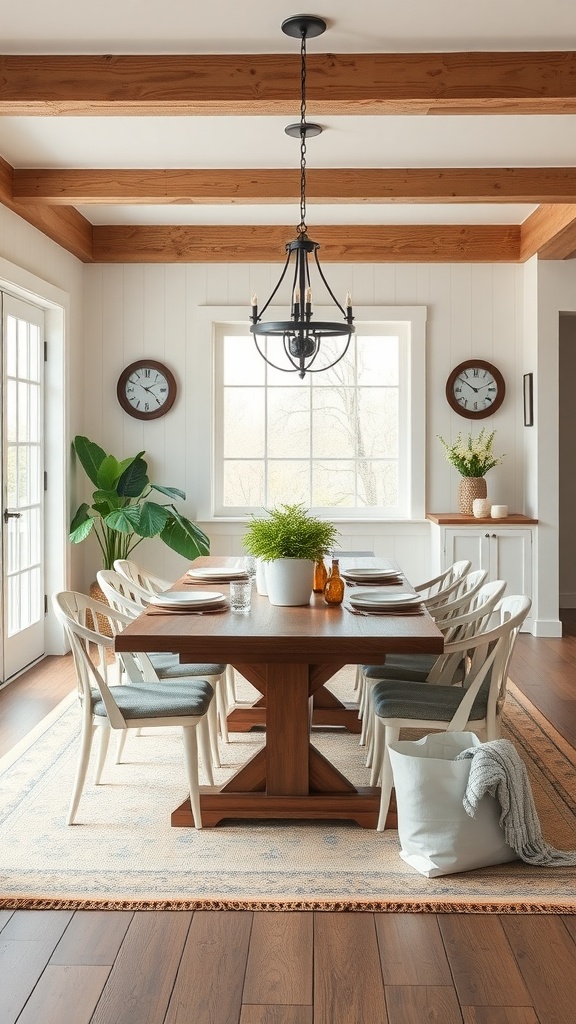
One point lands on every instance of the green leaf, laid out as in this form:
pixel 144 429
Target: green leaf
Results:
pixel 108 473
pixel 125 520
pixel 81 531
pixel 172 492
pixel 91 456
pixel 106 501
pixel 185 537
pixel 153 518
pixel 128 462
pixel 134 480
pixel 80 516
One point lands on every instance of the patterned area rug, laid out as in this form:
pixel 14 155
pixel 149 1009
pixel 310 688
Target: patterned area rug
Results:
pixel 122 853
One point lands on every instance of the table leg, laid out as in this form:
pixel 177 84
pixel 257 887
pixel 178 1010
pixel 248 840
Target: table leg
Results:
pixel 289 778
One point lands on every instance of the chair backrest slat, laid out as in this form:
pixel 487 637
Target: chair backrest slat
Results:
pixel 147 581
pixel 489 656
pixel 462 597
pixel 71 610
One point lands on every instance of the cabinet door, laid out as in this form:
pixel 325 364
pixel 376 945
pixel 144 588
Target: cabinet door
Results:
pixel 511 559
pixel 468 543
pixel 505 553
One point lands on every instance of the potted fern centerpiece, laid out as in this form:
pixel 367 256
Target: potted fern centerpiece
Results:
pixel 289 540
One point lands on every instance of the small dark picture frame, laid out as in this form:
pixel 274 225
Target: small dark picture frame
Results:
pixel 528 400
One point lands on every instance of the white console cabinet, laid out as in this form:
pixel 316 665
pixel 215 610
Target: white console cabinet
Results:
pixel 505 548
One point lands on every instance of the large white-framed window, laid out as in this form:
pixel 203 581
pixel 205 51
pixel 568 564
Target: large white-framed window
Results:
pixel 347 442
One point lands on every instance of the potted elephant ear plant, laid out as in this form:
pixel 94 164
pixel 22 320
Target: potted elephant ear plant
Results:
pixel 289 540
pixel 122 514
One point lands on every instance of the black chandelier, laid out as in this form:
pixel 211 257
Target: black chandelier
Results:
pixel 301 337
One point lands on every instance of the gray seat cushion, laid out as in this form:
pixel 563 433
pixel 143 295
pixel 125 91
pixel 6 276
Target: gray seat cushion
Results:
pixel 397 698
pixel 167 666
pixel 153 701
pixel 417 666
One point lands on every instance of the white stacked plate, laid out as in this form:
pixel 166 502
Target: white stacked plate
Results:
pixel 372 575
pixel 379 601
pixel 186 600
pixel 216 574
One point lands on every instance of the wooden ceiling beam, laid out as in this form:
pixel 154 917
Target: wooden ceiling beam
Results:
pixel 551 232
pixel 331 185
pixel 263 244
pixel 65 226
pixel 244 84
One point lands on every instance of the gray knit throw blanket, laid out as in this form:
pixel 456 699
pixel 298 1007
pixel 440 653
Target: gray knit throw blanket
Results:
pixel 498 769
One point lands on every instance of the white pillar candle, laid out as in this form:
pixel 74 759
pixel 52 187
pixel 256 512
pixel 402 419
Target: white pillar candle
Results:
pixel 481 508
pixel 499 511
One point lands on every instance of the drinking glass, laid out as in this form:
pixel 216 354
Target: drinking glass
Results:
pixel 241 595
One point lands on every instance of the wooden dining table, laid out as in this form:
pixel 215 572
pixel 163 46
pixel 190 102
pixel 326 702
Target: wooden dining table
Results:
pixel 288 654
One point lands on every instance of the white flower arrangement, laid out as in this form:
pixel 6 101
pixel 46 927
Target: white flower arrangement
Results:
pixel 473 457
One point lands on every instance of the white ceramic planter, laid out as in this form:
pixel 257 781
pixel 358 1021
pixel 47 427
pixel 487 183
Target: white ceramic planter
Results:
pixel 289 581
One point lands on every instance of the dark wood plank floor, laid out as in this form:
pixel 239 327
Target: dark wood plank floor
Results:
pixel 238 967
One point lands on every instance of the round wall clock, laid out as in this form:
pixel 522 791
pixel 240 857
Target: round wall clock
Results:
pixel 475 389
pixel 146 389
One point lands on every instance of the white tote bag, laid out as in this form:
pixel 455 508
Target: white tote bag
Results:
pixel 436 835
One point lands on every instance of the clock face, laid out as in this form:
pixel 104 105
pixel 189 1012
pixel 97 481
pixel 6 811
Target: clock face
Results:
pixel 146 389
pixel 475 389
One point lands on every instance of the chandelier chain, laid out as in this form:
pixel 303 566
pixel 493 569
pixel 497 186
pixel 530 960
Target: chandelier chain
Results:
pixel 302 225
pixel 305 344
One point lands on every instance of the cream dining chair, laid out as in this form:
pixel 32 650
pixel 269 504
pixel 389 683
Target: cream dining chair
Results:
pixel 430 668
pixel 475 705
pixel 147 581
pixel 140 576
pixel 131 706
pixel 444 581
pixel 130 599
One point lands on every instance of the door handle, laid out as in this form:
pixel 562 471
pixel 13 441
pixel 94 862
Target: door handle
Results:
pixel 11 515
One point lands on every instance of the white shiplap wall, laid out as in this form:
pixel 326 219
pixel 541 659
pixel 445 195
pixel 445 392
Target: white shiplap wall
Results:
pixel 151 310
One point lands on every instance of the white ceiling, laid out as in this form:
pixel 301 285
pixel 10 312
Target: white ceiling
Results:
pixel 227 26
pixel 253 26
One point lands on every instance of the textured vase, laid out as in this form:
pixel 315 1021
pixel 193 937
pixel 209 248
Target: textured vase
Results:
pixel 470 487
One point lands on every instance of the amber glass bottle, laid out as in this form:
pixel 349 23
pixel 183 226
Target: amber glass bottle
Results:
pixel 320 577
pixel 334 589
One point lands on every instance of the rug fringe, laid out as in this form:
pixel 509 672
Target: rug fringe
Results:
pixel 289 906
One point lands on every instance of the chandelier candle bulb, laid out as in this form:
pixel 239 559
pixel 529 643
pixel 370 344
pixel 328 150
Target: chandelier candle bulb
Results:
pixel 296 303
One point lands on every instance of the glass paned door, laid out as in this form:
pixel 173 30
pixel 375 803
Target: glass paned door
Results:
pixel 22 485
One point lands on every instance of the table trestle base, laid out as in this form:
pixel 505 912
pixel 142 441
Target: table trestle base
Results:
pixel 361 806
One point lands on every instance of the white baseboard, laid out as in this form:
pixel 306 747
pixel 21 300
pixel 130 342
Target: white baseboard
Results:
pixel 546 627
